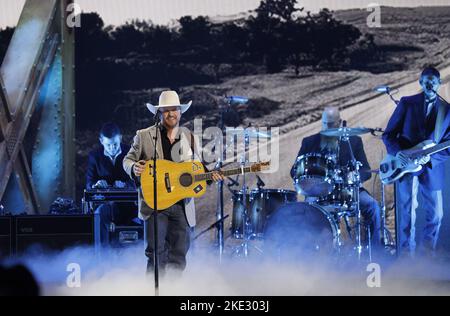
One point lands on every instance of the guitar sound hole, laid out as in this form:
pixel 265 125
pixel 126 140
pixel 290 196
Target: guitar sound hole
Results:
pixel 186 180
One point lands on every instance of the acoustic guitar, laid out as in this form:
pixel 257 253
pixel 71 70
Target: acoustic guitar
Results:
pixel 180 180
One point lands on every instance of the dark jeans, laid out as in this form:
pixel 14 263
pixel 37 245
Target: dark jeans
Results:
pixel 370 210
pixel 371 213
pixel 173 239
pixel 117 213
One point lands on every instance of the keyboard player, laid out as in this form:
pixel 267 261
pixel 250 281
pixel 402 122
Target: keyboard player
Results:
pixel 105 171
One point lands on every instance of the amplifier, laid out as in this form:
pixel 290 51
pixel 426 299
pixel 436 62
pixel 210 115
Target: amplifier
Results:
pixel 123 236
pixel 53 232
pixel 6 236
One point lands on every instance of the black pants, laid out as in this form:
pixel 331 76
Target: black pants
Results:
pixel 173 239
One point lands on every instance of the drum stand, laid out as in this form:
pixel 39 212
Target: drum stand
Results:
pixel 355 165
pixel 344 134
pixel 247 233
pixel 220 203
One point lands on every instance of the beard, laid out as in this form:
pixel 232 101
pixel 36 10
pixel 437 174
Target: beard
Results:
pixel 171 122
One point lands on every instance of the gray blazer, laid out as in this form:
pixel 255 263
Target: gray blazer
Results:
pixel 143 149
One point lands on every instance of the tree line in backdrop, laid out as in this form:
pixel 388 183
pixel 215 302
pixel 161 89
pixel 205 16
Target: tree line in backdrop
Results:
pixel 278 35
pixel 140 55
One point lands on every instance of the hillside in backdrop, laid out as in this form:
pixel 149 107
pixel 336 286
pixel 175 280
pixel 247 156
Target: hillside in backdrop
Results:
pixel 408 40
pixel 211 60
pixel 289 67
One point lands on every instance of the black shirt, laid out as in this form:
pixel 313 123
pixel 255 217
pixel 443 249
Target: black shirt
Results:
pixel 166 145
pixel 167 148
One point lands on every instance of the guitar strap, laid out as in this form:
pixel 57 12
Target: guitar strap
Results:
pixel 193 146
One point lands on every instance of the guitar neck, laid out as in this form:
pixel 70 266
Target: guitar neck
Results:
pixel 225 173
pixel 433 150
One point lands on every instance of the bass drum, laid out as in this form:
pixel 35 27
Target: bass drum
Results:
pixel 301 230
pixel 260 204
pixel 264 203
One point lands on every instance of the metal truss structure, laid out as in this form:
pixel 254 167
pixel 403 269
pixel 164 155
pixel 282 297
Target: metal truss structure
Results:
pixel 37 110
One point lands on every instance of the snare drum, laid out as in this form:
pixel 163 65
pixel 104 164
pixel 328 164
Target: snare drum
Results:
pixel 342 197
pixel 314 174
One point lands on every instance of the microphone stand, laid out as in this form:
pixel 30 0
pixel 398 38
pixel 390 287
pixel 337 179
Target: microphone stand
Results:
pixel 219 165
pixel 388 92
pixel 211 227
pixel 220 206
pixel 155 211
pixel 355 165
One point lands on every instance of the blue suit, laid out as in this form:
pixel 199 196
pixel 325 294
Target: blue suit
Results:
pixel 407 128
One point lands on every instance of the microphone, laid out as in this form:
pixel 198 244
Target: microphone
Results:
pixel 376 130
pixel 260 182
pixel 387 90
pixel 383 89
pixel 156 119
pixel 237 100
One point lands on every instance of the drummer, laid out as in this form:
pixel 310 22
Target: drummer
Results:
pixel 327 145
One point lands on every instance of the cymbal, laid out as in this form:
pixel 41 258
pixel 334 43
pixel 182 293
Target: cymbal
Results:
pixel 346 131
pixel 252 133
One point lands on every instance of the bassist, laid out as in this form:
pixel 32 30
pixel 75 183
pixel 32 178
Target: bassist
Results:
pixel 416 119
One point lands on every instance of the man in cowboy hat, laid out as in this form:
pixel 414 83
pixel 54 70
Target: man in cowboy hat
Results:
pixel 173 144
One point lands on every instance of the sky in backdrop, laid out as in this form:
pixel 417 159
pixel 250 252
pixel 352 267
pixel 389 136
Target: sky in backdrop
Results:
pixel 117 12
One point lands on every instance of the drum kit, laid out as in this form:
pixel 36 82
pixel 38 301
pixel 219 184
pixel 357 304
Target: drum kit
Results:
pixel 252 207
pixel 331 200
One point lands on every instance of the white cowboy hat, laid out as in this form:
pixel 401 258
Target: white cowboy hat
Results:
pixel 168 99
